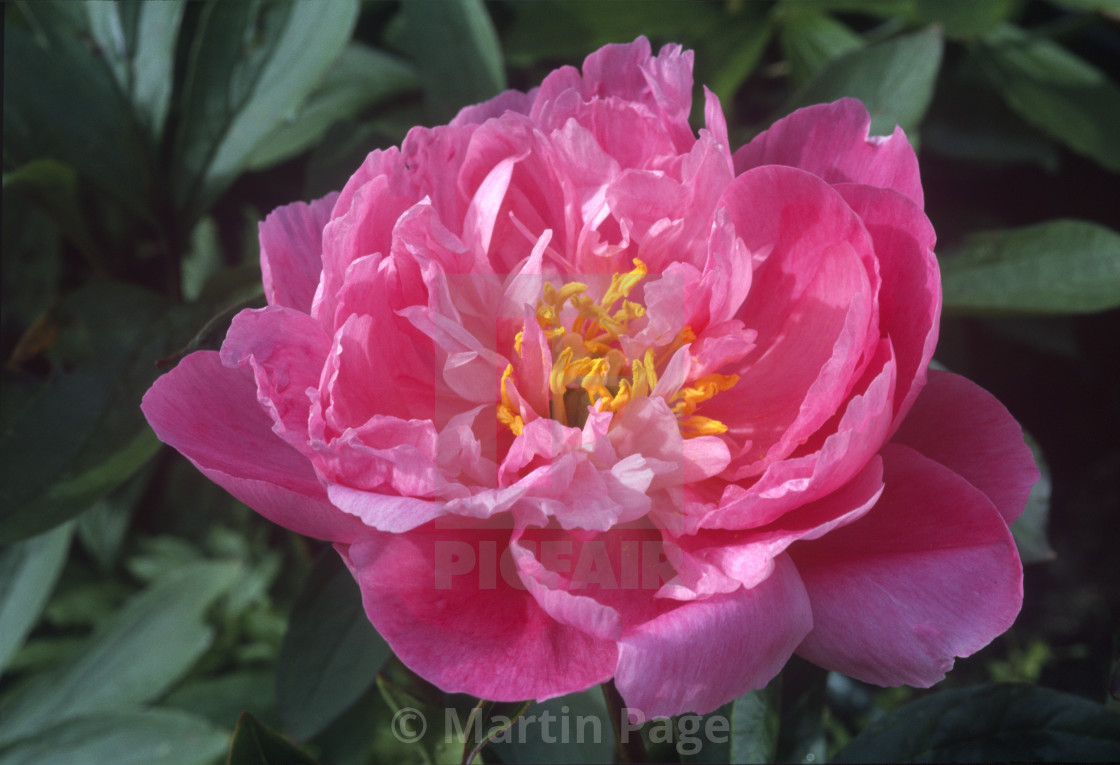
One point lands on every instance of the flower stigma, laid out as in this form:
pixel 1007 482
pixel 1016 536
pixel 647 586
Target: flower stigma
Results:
pixel 589 367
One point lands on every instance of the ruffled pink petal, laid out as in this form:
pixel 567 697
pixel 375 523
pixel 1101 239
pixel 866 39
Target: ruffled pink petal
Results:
pixel 812 302
pixel 931 573
pixel 790 483
pixel 713 561
pixel 507 101
pixel 358 382
pixel 291 252
pixel 661 84
pixel 286 350
pixel 364 229
pixel 696 656
pixel 962 426
pixel 597 583
pixel 211 415
pixel 831 141
pixel 910 297
pixel 451 605
pixel 669 216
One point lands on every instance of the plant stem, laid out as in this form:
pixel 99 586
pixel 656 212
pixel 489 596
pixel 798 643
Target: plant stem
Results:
pixel 631 749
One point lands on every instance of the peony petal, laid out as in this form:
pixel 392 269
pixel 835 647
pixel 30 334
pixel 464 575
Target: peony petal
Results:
pixel 823 467
pixel 812 302
pixel 452 607
pixel 210 413
pixel 910 297
pixel 724 561
pixel 831 141
pixel 291 240
pixel 695 657
pixel 931 573
pixel 507 101
pixel 962 426
pixel 286 350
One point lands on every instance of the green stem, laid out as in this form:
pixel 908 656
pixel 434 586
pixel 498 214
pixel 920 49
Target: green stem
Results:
pixel 633 749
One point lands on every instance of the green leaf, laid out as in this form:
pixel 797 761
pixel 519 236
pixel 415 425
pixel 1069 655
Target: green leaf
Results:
pixel 991 723
pixel 103 527
pixel 53 186
pixel 732 48
pixel 1063 266
pixel 361 77
pixel 251 66
pixel 133 657
pixel 965 19
pixel 579 730
pixel 255 744
pixel 811 40
pixel 137 41
pixel 81 433
pixel 1059 93
pixel 51 74
pixel 223 698
pixel 1107 7
pixel 457 51
pixel 903 8
pixel 331 653
pixel 29 571
pixel 894 79
pixel 148 737
pixel 972 123
pixel 754 724
pixel 1029 529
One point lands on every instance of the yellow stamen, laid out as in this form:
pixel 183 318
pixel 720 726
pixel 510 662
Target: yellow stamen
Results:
pixel 701 426
pixel 507 415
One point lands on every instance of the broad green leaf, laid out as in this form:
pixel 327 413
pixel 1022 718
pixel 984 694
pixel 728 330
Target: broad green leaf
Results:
pixel 137 40
pixel 53 185
pixel 29 571
pixel 103 527
pixel 457 50
pixel 570 729
pixel 251 66
pixel 991 723
pixel 1107 7
pixel 972 123
pixel 560 29
pixel 142 737
pixel 731 50
pixel 801 737
pixel 202 260
pixel 61 102
pixel 222 699
pixel 1059 93
pixel 894 79
pixel 965 19
pixel 811 40
pixel 255 744
pixel 1063 266
pixel 81 433
pixel 754 725
pixel 882 8
pixel 361 77
pixel 331 653
pixel 133 657
pixel 1029 529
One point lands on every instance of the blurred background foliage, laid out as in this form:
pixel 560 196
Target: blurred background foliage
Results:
pixel 143 611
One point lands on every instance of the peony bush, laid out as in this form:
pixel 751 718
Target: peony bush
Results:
pixel 579 394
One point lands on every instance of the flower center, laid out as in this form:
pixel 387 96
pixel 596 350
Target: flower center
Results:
pixel 590 368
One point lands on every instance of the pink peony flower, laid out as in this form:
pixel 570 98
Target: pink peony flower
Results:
pixel 578 394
